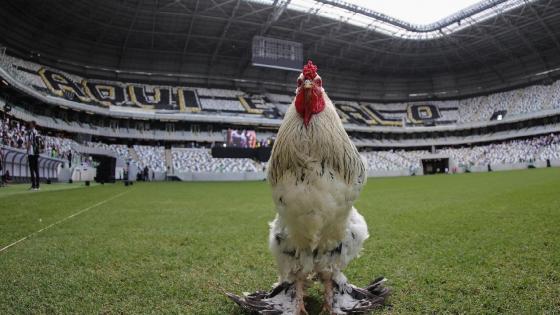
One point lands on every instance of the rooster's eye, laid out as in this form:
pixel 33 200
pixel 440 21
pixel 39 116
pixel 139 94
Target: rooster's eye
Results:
pixel 318 82
pixel 299 82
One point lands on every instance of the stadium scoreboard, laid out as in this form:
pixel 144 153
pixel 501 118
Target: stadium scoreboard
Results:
pixel 277 53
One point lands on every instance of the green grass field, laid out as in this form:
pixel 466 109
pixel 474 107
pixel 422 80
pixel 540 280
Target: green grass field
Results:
pixel 464 244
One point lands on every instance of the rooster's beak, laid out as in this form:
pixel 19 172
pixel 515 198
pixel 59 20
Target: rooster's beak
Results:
pixel 307 84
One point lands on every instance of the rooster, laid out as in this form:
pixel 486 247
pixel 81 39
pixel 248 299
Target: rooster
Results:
pixel 316 174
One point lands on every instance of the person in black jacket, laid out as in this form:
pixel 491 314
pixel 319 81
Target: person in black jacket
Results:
pixel 1 168
pixel 33 151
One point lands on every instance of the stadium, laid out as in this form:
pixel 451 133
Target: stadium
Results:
pixel 152 134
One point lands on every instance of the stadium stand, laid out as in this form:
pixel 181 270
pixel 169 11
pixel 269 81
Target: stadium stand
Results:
pixel 521 101
pixel 151 157
pixel 528 150
pixel 539 148
pixel 509 152
pixel 200 160
pixel 516 151
pixel 213 93
pixel 119 149
pixel 221 105
pixel 382 153
pixel 393 160
pixel 13 134
pixel 118 97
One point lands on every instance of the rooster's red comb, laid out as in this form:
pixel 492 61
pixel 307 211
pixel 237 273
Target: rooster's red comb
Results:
pixel 309 70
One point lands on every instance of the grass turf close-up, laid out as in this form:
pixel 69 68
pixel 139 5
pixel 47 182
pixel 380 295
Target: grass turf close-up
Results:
pixel 485 243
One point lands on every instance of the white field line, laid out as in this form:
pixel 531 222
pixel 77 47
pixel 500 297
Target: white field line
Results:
pixel 65 219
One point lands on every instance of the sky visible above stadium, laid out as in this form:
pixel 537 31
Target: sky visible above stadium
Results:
pixel 415 19
pixel 416 11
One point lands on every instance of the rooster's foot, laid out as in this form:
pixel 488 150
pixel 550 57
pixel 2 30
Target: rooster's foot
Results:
pixel 281 300
pixel 349 299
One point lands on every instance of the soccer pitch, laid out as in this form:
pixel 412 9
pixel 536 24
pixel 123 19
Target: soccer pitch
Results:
pixel 473 243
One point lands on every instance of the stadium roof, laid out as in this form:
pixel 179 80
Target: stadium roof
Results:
pixel 491 45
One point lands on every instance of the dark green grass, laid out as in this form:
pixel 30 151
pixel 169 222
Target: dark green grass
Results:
pixel 14 189
pixel 473 244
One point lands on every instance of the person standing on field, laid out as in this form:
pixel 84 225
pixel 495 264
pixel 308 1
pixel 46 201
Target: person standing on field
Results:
pixel 1 168
pixel 33 151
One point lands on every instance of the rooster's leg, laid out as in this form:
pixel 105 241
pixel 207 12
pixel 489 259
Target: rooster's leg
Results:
pixel 326 278
pixel 300 290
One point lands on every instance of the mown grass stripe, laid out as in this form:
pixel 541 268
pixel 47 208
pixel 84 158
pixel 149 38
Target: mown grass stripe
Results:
pixel 63 220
